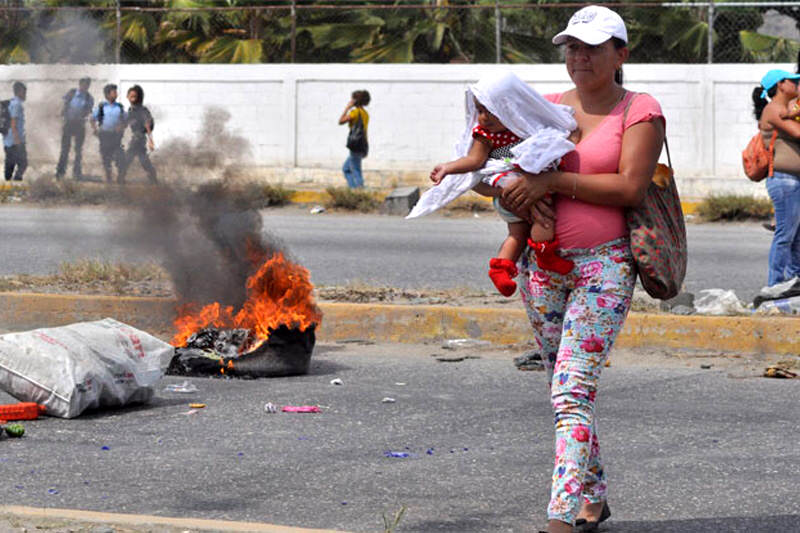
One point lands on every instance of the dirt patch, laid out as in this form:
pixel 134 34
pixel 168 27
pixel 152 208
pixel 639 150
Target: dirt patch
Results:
pixel 92 277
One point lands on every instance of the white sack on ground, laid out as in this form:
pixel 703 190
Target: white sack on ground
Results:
pixel 81 366
pixel 543 126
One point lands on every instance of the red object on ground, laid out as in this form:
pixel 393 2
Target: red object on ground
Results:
pixel 301 409
pixel 21 411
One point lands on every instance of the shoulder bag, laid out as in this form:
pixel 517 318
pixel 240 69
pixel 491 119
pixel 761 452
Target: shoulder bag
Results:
pixel 756 159
pixel 357 138
pixel 658 233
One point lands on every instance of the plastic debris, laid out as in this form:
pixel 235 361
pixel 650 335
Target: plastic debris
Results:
pixel 301 409
pixel 456 359
pixel 705 367
pixel 781 372
pixel 337 381
pixel 388 400
pixel 270 407
pixel 464 343
pixel 530 360
pixel 718 302
pixel 779 291
pixel 400 384
pixel 21 411
pixel 52 491
pixel 15 430
pixel 317 209
pixel 182 388
pixel 397 455
pixel 105 448
pixel 197 405
pixel 782 306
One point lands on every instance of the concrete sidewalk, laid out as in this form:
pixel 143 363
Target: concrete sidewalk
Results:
pixel 424 323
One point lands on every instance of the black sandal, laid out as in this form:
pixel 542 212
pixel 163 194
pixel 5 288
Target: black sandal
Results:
pixel 584 526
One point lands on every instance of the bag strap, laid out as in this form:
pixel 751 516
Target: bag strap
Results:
pixel 625 117
pixel 772 152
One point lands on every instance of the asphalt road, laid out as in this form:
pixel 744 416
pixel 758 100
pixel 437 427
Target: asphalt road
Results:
pixel 434 252
pixel 686 450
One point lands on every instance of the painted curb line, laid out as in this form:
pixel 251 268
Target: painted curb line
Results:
pixel 411 324
pixel 149 520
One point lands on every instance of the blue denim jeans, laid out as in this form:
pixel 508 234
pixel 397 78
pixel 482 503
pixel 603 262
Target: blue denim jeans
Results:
pixel 352 170
pixel 784 254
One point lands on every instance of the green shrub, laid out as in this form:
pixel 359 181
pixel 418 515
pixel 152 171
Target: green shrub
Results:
pixel 734 207
pixel 352 199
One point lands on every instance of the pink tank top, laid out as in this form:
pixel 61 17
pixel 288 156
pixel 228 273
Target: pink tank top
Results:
pixel 582 224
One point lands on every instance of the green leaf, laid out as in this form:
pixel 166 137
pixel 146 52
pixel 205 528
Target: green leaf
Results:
pixel 768 48
pixel 230 50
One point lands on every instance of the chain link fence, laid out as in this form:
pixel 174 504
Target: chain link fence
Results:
pixel 429 31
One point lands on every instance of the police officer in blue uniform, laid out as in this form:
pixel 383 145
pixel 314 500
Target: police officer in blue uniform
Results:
pixel 108 123
pixel 78 105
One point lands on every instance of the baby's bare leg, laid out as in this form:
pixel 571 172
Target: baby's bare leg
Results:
pixel 540 233
pixel 543 242
pixel 516 241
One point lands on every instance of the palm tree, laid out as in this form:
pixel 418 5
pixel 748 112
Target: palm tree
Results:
pixel 213 36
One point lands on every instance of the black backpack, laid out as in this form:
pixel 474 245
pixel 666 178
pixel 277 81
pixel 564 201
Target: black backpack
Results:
pixel 357 138
pixel 100 113
pixel 5 117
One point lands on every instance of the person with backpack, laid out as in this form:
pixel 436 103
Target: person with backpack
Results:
pixel 141 123
pixel 108 123
pixel 14 133
pixel 78 104
pixel 357 118
pixel 771 101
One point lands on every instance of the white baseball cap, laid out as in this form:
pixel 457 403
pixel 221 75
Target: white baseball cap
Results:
pixel 593 25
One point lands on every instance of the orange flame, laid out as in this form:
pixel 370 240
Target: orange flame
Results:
pixel 279 293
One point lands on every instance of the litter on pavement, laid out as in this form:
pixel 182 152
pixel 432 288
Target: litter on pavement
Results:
pixel 779 291
pixel 301 409
pixel 464 343
pixel 718 302
pixel 21 411
pixel 454 359
pixel 782 306
pixel 182 388
pixel 779 371
pixel 397 455
pixel 530 360
pixel 337 381
pixel 270 407
pixel 14 431
pixel 87 365
pixel 388 400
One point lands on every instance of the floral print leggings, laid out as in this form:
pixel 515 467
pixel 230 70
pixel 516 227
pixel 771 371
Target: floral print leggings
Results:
pixel 575 319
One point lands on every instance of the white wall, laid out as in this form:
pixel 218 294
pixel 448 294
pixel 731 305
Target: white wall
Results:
pixel 289 113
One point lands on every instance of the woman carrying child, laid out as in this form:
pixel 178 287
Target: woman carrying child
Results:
pixel 576 316
pixel 771 106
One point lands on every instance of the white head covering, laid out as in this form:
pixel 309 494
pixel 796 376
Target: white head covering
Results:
pixel 543 126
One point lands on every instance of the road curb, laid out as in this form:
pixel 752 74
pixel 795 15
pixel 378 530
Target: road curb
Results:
pixel 150 520
pixel 417 323
pixel 321 197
